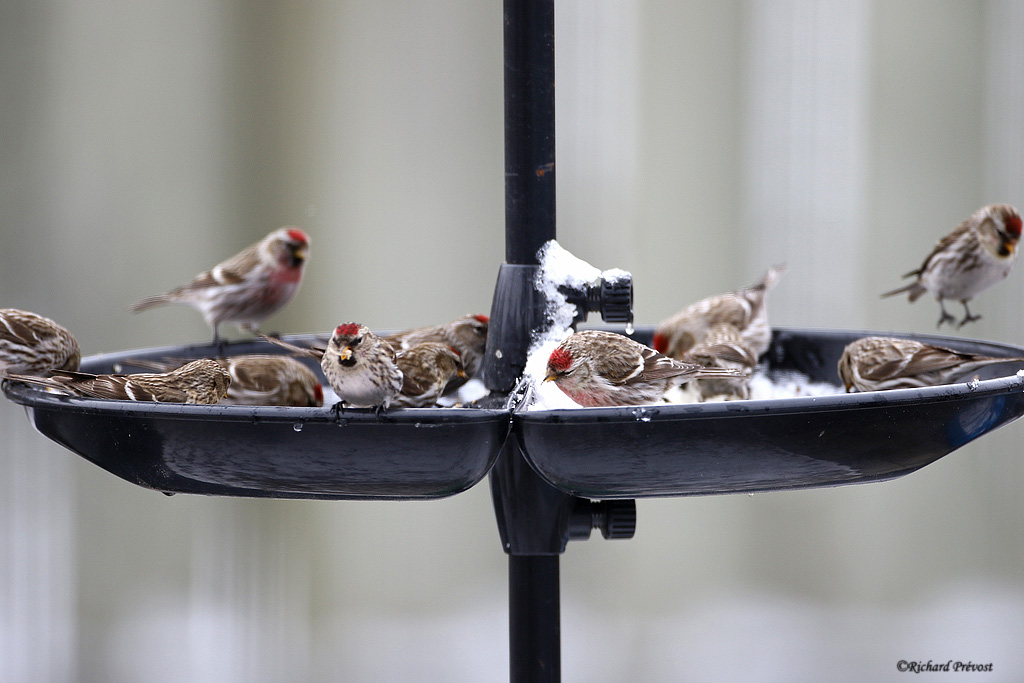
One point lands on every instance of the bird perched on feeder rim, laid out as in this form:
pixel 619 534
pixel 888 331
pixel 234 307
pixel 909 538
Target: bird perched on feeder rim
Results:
pixel 31 344
pixel 247 288
pixel 202 381
pixel 967 261
pixel 879 363
pixel 598 368
pixel 744 309
pixel 359 366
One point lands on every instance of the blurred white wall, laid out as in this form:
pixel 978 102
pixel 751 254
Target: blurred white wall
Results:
pixel 698 143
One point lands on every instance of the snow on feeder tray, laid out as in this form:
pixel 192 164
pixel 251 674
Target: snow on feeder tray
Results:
pixel 772 444
pixel 267 451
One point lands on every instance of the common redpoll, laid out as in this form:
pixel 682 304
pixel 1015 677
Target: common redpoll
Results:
pixel 597 368
pixel 878 363
pixel 31 344
pixel 467 335
pixel 201 381
pixel 259 379
pixel 360 367
pixel 247 288
pixel 968 260
pixel 269 380
pixel 744 309
pixel 723 347
pixel 427 368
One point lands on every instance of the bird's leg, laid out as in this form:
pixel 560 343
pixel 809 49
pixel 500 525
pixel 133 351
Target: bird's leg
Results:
pixel 337 409
pixel 945 317
pixel 968 318
pixel 380 411
pixel 218 343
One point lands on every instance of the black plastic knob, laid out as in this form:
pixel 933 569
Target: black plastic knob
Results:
pixel 617 299
pixel 617 518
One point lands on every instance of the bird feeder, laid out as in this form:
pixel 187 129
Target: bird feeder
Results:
pixel 555 475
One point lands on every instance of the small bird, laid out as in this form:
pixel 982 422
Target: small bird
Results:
pixel 427 368
pixel 247 288
pixel 597 368
pixel 972 258
pixel 467 335
pixel 744 309
pixel 879 363
pixel 359 366
pixel 259 379
pixel 723 347
pixel 271 380
pixel 201 381
pixel 31 344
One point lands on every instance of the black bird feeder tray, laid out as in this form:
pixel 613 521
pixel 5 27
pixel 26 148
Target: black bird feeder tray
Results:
pixel 554 474
pixel 268 451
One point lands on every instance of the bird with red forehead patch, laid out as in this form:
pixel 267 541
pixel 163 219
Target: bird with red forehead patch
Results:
pixel 467 335
pixel 976 255
pixel 247 288
pixel 597 368
pixel 361 368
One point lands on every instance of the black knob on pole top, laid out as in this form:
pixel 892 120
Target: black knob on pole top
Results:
pixel 612 297
pixel 617 299
pixel 616 518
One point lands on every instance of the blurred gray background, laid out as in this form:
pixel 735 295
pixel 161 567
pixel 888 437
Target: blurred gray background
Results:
pixel 698 143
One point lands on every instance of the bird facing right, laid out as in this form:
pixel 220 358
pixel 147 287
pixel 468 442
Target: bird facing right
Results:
pixel 879 363
pixel 967 261
pixel 247 288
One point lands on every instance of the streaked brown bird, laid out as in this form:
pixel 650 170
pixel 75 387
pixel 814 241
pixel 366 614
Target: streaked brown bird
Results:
pixel 467 335
pixel 744 309
pixel 967 261
pixel 598 368
pixel 247 288
pixel 427 368
pixel 31 344
pixel 723 347
pixel 359 366
pixel 879 363
pixel 201 381
pixel 258 379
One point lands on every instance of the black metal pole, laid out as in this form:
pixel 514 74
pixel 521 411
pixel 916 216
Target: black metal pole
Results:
pixel 534 636
pixel 529 128
pixel 532 516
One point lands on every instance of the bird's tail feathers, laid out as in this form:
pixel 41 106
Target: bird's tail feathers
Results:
pixel 150 302
pixel 915 290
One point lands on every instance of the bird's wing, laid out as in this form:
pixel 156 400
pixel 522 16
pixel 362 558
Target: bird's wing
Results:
pixel 656 366
pixel 942 245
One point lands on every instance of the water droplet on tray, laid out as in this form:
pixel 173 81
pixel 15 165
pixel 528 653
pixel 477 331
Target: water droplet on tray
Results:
pixel 974 384
pixel 629 328
pixel 643 414
pixel 298 426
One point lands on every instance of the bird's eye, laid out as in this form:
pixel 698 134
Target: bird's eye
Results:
pixel 355 342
